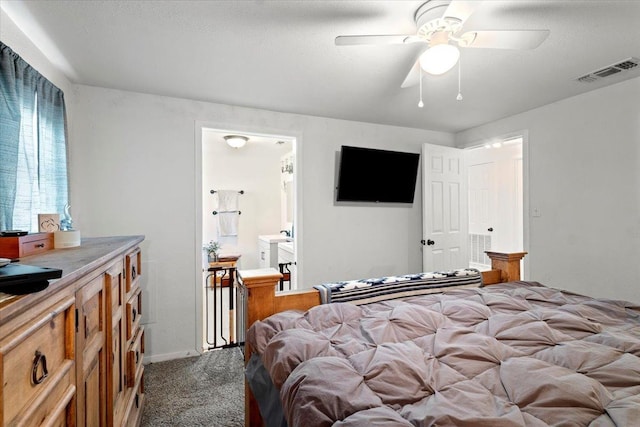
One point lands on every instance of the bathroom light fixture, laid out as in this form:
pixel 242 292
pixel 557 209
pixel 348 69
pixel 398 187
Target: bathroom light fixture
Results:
pixel 236 141
pixel 439 59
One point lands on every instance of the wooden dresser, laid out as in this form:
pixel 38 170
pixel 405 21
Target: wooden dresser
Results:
pixel 72 353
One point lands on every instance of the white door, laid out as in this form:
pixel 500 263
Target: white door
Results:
pixel 444 212
pixel 495 200
pixel 481 211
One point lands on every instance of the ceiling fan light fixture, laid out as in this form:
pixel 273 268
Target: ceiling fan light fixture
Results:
pixel 236 141
pixel 439 59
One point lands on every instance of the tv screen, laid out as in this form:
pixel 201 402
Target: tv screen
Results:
pixel 370 175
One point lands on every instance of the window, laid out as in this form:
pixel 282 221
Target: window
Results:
pixel 33 145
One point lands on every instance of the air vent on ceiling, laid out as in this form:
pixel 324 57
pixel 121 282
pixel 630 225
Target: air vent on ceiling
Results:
pixel 627 64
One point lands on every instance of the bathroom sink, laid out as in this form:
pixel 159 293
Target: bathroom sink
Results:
pixel 274 238
pixel 287 246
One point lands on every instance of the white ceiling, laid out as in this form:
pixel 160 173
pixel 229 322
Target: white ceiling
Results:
pixel 281 56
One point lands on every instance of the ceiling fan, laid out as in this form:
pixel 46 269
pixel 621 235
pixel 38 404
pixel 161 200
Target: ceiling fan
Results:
pixel 439 28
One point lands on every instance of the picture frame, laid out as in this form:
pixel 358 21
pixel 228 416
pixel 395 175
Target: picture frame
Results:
pixel 48 223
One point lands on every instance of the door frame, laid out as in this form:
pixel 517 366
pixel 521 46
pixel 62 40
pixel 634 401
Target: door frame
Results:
pixel 235 127
pixel 524 134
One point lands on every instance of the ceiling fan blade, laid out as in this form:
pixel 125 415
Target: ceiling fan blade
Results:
pixel 460 9
pixel 504 39
pixel 376 40
pixel 413 78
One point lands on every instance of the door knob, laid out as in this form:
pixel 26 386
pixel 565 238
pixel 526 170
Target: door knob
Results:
pixel 430 242
pixel 490 229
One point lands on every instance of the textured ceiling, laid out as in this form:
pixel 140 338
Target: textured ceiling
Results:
pixel 281 56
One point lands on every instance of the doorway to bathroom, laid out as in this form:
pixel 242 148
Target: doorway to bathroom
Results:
pixel 248 196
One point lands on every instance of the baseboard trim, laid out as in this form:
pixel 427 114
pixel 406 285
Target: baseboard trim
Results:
pixel 169 356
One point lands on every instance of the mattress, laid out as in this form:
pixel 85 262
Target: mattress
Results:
pixel 503 355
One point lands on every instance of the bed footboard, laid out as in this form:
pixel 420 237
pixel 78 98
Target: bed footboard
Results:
pixel 262 301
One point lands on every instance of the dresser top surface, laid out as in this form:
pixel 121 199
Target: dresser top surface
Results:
pixel 74 263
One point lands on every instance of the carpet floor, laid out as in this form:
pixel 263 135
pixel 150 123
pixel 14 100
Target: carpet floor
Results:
pixel 205 390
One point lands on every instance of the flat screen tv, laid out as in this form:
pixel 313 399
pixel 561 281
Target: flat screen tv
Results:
pixel 370 175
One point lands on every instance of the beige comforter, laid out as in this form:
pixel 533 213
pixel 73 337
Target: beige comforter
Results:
pixel 504 355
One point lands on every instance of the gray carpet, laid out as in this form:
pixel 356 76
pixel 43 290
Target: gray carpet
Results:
pixel 205 390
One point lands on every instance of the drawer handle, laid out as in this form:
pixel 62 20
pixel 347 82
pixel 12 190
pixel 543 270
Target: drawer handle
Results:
pixel 135 314
pixel 137 401
pixel 137 357
pixel 40 245
pixel 133 272
pixel 40 359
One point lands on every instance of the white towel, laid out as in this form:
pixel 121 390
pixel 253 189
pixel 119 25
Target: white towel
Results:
pixel 228 223
pixel 227 200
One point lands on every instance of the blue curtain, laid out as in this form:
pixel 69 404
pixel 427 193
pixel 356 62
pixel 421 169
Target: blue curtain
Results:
pixel 33 152
pixel 52 143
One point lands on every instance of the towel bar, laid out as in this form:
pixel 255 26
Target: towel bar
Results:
pixel 214 191
pixel 216 212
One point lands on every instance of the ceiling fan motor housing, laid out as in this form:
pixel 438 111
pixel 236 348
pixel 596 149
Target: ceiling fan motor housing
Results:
pixel 431 22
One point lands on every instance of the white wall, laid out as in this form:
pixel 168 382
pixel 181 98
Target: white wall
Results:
pixel 255 169
pixel 136 174
pixel 584 177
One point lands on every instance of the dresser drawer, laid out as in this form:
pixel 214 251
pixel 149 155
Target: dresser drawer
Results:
pixel 133 262
pixel 21 246
pixel 134 412
pixel 135 355
pixel 134 314
pixel 56 407
pixel 35 358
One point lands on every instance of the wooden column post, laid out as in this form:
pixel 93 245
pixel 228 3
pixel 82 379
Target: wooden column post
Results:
pixel 261 292
pixel 260 296
pixel 507 263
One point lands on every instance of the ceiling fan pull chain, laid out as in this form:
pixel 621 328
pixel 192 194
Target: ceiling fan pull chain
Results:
pixel 420 104
pixel 459 97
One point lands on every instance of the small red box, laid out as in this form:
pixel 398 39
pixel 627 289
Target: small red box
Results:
pixel 29 244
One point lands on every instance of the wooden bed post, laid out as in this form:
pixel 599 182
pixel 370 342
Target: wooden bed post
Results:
pixel 260 292
pixel 507 263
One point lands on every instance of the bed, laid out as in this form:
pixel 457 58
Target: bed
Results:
pixel 514 353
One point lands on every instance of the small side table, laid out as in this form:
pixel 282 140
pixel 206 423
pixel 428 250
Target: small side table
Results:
pixel 225 263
